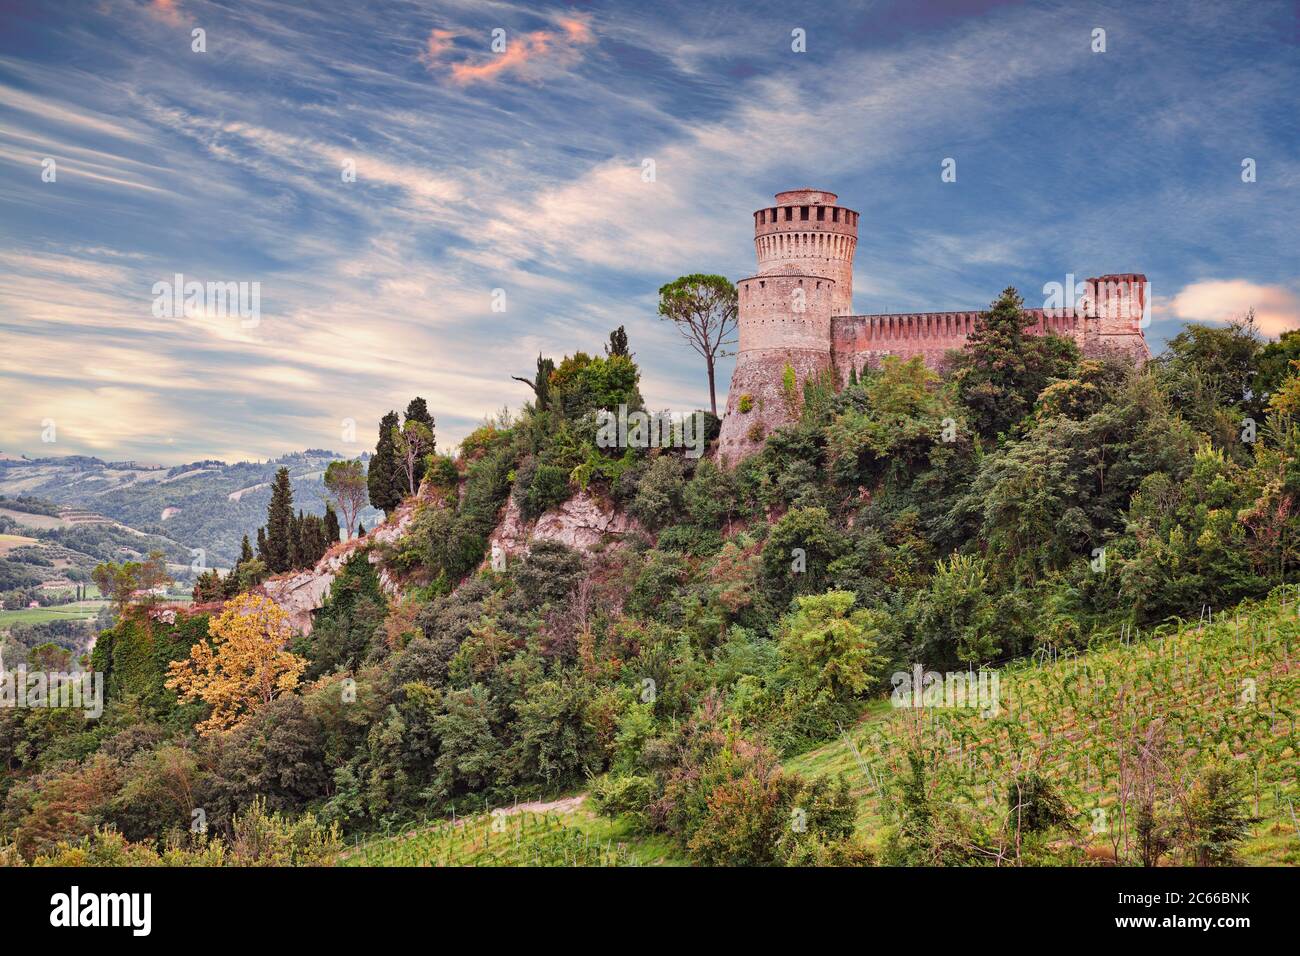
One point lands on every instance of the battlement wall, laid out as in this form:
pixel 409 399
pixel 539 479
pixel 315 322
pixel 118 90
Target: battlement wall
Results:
pixel 930 331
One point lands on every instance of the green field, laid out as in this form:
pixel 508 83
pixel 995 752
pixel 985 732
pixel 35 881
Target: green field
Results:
pixel 78 610
pixel 1231 688
pixel 576 838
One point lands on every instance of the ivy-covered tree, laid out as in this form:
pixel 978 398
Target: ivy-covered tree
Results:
pixel 418 411
pixel 411 443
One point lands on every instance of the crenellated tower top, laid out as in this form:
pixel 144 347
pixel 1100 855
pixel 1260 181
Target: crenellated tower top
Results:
pixel 807 233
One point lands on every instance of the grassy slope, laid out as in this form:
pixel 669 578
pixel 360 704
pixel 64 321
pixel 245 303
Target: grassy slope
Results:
pixel 1072 713
pixel 27 520
pixel 577 838
pixel 8 542
pixel 1069 714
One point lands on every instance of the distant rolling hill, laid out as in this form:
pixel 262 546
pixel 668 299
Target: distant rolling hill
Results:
pixel 203 504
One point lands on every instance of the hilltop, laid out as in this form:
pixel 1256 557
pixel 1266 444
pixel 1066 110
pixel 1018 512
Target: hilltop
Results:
pixel 686 643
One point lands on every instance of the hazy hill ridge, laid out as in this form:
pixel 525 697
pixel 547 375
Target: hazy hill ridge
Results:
pixel 208 504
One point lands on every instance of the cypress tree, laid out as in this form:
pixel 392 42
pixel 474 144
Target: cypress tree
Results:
pixel 245 552
pixel 296 555
pixel 261 547
pixel 311 539
pixel 279 525
pixel 382 479
pixel 333 531
pixel 618 343
pixel 542 382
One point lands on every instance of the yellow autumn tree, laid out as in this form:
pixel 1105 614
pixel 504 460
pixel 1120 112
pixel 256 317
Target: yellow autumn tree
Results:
pixel 243 666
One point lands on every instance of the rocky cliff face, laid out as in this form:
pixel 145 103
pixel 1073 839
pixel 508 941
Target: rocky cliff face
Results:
pixel 582 523
pixel 301 593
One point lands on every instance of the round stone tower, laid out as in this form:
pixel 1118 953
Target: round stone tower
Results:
pixel 805 245
pixel 808 232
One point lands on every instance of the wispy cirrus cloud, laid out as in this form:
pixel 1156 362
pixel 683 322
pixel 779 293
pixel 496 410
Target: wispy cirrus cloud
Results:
pixel 377 289
pixel 436 47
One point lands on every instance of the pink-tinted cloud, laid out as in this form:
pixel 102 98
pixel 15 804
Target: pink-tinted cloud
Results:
pixel 438 44
pixel 1277 308
pixel 540 48
pixel 166 10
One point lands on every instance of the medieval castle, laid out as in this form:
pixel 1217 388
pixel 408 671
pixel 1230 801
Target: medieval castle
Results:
pixel 797 312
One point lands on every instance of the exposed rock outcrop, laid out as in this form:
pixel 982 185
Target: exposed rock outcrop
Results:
pixel 301 593
pixel 583 522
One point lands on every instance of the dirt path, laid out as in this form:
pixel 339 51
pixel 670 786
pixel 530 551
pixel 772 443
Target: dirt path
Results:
pixel 567 805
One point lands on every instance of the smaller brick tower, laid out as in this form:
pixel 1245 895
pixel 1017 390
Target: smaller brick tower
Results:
pixel 805 245
pixel 1116 309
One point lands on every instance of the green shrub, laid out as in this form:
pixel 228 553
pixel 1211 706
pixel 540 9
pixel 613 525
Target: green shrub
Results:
pixel 624 795
pixel 688 539
pixel 659 493
pixel 548 488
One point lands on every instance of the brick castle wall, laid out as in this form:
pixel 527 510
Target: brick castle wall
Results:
pixel 796 311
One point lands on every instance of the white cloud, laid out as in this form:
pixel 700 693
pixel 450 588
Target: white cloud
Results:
pixel 1277 308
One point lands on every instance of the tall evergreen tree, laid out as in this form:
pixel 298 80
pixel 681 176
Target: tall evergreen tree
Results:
pixel 1002 368
pixel 332 529
pixel 618 343
pixel 312 542
pixel 541 382
pixel 279 525
pixel 296 556
pixel 262 548
pixel 385 483
pixel 418 411
pixel 245 551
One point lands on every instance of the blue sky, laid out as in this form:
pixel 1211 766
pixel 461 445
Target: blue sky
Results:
pixel 478 170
